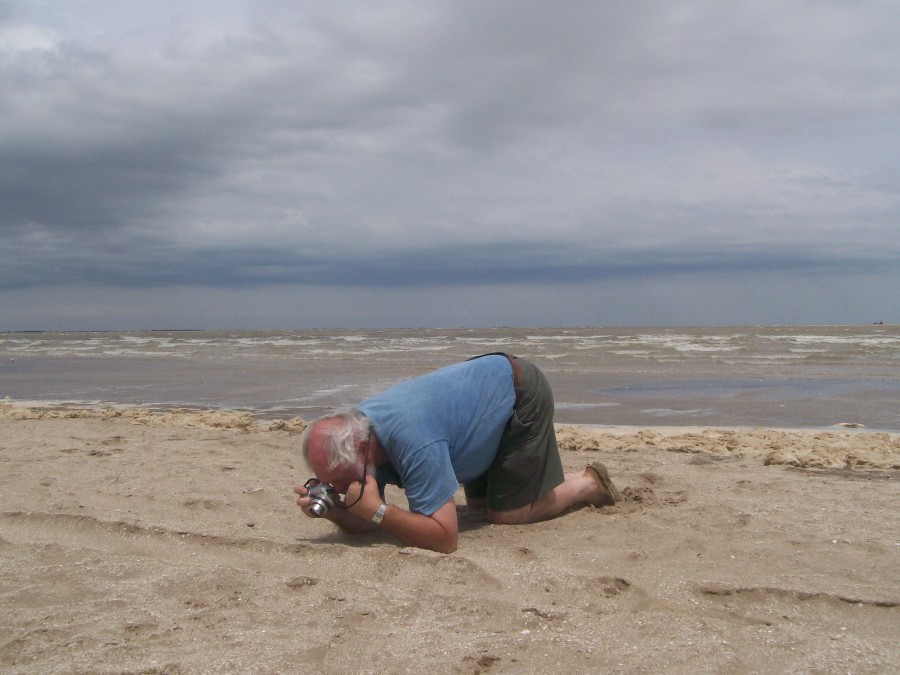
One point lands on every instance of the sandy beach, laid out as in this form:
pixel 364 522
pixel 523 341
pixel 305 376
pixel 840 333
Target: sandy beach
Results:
pixel 168 542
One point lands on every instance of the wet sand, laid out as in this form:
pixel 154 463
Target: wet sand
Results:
pixel 149 542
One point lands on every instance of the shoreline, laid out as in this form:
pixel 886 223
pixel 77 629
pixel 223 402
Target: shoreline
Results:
pixel 837 447
pixel 105 409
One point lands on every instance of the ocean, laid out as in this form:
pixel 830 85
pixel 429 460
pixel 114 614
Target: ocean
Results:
pixel 775 376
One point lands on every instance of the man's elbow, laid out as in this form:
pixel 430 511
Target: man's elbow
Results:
pixel 446 549
pixel 448 545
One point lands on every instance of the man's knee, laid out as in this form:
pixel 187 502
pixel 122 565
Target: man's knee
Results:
pixel 514 517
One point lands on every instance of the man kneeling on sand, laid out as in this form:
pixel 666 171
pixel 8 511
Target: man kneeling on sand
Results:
pixel 485 423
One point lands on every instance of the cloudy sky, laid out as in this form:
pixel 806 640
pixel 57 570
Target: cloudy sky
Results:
pixel 320 163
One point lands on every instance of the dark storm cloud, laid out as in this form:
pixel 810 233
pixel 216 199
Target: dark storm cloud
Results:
pixel 129 266
pixel 245 143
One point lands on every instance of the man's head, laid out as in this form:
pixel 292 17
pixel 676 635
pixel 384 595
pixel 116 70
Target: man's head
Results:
pixel 335 447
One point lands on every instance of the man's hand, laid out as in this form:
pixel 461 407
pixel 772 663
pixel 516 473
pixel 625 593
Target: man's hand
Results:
pixel 366 507
pixel 438 532
pixel 302 500
pixel 345 520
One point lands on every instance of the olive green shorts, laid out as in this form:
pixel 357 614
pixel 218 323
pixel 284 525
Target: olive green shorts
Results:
pixel 527 465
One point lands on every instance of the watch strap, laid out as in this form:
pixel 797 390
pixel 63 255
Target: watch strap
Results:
pixel 379 514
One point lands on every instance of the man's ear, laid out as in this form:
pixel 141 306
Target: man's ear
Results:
pixel 363 448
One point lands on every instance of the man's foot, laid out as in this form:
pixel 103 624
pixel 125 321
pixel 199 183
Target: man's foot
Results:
pixel 608 494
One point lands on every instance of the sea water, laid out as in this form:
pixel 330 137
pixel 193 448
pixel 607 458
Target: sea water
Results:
pixel 782 376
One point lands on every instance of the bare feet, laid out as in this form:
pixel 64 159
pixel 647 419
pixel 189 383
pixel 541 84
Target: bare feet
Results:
pixel 607 492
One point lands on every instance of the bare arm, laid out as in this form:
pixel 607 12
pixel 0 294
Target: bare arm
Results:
pixel 349 523
pixel 437 532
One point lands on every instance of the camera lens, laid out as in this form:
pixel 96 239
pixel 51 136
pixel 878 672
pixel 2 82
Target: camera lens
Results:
pixel 318 509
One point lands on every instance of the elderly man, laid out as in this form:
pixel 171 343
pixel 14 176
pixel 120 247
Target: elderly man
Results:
pixel 486 423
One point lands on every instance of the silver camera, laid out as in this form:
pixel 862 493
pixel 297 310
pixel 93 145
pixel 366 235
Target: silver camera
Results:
pixel 323 496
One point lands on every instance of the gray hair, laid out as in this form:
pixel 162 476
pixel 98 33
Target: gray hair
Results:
pixel 341 440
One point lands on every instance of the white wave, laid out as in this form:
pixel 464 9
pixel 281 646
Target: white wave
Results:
pixel 670 412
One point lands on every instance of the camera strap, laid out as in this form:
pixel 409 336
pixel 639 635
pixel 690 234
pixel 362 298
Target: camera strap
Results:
pixel 362 486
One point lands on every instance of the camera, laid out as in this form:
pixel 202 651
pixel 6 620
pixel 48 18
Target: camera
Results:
pixel 323 496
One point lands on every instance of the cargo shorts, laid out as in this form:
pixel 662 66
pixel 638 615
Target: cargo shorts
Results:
pixel 527 465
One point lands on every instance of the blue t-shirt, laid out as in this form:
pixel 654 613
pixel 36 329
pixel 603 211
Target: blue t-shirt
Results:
pixel 443 428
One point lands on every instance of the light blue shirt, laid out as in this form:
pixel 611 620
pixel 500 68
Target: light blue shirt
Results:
pixel 443 428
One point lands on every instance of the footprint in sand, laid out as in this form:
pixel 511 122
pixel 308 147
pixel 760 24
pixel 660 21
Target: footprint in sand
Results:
pixel 208 504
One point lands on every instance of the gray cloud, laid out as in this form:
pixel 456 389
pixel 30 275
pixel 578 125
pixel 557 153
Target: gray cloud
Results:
pixel 240 144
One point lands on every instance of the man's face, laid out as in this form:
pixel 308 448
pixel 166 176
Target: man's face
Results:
pixel 341 477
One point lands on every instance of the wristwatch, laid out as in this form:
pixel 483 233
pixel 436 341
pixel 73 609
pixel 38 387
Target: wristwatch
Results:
pixel 379 514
